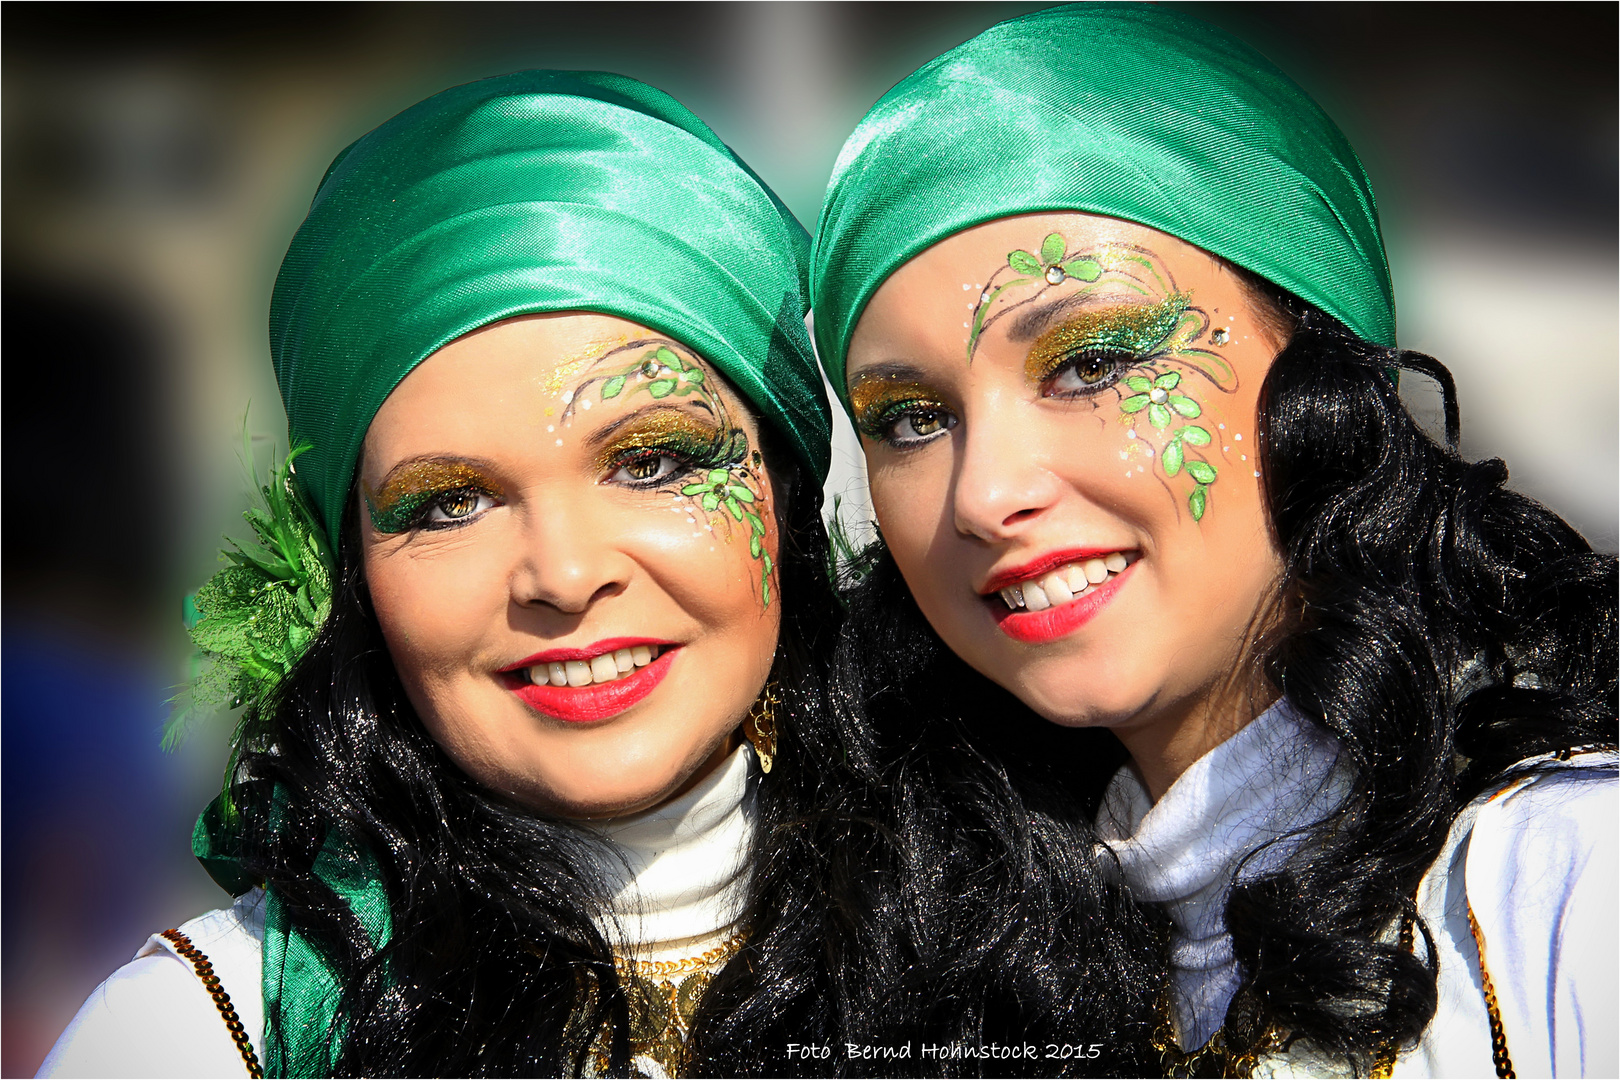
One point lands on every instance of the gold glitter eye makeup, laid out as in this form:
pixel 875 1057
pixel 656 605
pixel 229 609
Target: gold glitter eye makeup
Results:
pixel 664 443
pixel 1088 352
pixel 430 495
pixel 898 412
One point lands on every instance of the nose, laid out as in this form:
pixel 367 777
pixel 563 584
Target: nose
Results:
pixel 1002 483
pixel 568 560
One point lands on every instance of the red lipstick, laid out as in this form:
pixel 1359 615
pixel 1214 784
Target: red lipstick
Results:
pixel 589 652
pixel 1040 627
pixel 1041 566
pixel 599 701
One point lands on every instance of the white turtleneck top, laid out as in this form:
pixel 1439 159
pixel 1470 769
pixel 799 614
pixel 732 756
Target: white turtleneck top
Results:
pixel 1535 861
pixel 678 874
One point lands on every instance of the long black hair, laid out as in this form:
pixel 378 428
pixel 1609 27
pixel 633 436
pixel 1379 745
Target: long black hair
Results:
pixel 1444 629
pixel 874 857
pixel 495 965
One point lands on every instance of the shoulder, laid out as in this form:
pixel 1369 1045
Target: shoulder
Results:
pixel 1522 895
pixel 154 1017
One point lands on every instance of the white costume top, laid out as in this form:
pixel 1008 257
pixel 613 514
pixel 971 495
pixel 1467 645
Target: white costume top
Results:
pixel 1536 861
pixel 682 874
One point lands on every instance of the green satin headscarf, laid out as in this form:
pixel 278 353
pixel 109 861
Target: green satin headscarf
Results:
pixel 534 192
pixel 1126 110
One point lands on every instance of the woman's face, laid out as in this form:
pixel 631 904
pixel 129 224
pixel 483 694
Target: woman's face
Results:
pixel 1058 414
pixel 569 545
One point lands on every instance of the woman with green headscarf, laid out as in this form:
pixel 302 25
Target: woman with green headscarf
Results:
pixel 533 772
pixel 1105 295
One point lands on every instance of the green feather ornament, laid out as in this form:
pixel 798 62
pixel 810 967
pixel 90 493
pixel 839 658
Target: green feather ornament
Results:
pixel 256 616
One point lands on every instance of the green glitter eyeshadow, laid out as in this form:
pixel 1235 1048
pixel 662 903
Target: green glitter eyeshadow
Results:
pixel 674 433
pixel 400 503
pixel 876 403
pixel 1138 329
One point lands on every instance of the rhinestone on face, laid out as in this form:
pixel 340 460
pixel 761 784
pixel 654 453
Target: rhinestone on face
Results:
pixel 1158 395
pixel 1054 275
pixel 1221 336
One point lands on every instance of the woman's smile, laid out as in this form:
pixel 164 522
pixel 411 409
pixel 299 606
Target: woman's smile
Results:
pixel 1045 605
pixel 1006 413
pixel 595 683
pixel 534 490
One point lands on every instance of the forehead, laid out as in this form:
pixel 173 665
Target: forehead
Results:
pixel 933 294
pixel 514 382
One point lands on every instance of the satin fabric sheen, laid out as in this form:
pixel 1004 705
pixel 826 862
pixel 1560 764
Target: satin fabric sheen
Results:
pixel 535 192
pixel 1126 110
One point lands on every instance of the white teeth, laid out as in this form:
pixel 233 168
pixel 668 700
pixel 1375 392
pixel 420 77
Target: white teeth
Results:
pixel 1056 589
pixel 599 669
pixel 1065 583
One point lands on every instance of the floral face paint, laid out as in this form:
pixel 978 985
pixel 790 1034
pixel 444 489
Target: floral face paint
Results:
pixel 1123 324
pixel 694 438
pixel 1061 534
pixel 570 625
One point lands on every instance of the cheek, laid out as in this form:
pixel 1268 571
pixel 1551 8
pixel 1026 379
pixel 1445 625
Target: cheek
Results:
pixel 911 499
pixel 719 563
pixel 436 613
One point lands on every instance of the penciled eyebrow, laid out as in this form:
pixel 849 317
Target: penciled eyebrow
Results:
pixel 1030 325
pixel 888 371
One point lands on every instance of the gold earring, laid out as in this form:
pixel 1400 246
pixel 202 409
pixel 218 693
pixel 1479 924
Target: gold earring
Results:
pixel 760 727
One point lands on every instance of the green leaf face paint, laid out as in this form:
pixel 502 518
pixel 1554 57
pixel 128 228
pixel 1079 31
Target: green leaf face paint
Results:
pixel 692 427
pixel 1121 326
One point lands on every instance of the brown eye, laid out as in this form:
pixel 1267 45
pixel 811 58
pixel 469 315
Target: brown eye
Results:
pixel 646 469
pixel 919 424
pixel 643 468
pixel 1086 373
pixel 1092 369
pixel 458 505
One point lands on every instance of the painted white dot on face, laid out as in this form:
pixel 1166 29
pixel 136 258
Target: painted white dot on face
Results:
pixel 586 404
pixel 1238 437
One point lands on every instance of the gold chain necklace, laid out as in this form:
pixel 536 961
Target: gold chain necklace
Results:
pixel 664 996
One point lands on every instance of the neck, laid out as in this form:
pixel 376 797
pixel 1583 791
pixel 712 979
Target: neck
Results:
pixel 1163 745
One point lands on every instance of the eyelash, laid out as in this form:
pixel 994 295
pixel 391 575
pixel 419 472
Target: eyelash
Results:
pixel 423 518
pixel 1116 364
pixel 881 428
pixel 680 466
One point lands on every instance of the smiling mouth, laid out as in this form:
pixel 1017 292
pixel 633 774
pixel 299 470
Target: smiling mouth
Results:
pixel 605 667
pixel 1066 583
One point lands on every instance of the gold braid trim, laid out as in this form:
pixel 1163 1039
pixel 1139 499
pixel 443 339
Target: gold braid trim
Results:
pixel 222 1001
pixel 1499 1047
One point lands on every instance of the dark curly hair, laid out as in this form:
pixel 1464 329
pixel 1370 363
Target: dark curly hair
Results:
pixel 1444 629
pixel 496 967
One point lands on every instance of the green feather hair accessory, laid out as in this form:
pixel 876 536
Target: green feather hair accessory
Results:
pixel 257 615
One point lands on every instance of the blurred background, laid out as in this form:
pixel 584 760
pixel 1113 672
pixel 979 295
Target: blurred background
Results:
pixel 157 160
